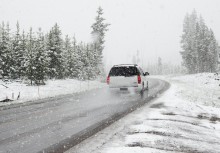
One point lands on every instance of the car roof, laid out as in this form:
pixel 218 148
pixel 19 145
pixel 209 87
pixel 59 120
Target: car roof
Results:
pixel 125 65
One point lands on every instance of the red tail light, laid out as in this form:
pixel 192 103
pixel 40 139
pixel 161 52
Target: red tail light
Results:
pixel 139 79
pixel 108 79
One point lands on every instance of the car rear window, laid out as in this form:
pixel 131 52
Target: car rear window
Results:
pixel 124 71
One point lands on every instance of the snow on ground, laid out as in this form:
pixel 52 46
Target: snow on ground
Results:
pixel 202 88
pixel 52 88
pixel 186 118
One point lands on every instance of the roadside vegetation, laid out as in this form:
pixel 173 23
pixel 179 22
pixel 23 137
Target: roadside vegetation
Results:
pixel 36 56
pixel 200 50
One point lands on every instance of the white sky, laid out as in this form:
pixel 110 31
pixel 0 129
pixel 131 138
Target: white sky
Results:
pixel 153 27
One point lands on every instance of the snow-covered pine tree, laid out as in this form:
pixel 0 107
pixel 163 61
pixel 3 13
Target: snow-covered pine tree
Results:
pixel 40 59
pixel 30 56
pixel 51 73
pixel 92 61
pixel 99 29
pixel 203 42
pixel 10 57
pixel 18 54
pixel 6 51
pixel 76 65
pixel 197 51
pixel 54 51
pixel 212 53
pixel 23 49
pixel 82 74
pixel 185 44
pixel 88 63
pixel 199 45
pixel 188 41
pixel 68 57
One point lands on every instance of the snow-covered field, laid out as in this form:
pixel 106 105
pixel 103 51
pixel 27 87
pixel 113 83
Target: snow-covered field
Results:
pixel 52 88
pixel 186 118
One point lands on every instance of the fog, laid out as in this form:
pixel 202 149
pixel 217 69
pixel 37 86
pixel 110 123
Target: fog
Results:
pixel 153 27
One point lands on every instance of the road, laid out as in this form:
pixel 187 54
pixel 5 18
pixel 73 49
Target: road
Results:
pixel 57 124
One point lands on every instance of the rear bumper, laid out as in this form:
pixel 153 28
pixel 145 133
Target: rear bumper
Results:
pixel 139 86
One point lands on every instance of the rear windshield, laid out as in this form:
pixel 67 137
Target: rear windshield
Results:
pixel 124 71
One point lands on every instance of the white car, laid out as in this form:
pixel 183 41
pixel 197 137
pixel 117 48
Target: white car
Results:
pixel 126 76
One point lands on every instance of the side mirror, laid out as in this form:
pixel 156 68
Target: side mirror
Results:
pixel 146 73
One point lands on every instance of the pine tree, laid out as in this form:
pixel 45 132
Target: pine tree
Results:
pixel 6 51
pixel 99 29
pixel 40 59
pixel 18 54
pixel 91 62
pixel 55 49
pixel 75 59
pixel 88 63
pixel 212 53
pixel 23 51
pixel 203 46
pixel 50 53
pixel 68 57
pixel 199 45
pixel 81 61
pixel 30 57
pixel 189 53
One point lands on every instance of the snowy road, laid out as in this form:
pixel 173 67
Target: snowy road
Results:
pixel 57 124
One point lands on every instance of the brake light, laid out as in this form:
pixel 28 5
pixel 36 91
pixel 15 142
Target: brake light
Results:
pixel 139 79
pixel 108 79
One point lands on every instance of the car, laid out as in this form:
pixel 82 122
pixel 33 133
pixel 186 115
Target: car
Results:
pixel 126 76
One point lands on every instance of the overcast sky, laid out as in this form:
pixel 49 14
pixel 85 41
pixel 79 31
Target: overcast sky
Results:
pixel 153 27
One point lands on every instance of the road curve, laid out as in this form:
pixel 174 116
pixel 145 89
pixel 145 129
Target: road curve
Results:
pixel 57 124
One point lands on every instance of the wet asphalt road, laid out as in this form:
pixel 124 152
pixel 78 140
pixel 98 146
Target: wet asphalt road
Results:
pixel 56 124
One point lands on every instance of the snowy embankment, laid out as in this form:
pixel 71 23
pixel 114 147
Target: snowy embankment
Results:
pixel 186 118
pixel 19 92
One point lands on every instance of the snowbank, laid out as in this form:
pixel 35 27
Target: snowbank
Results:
pixel 203 88
pixel 24 93
pixel 186 118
